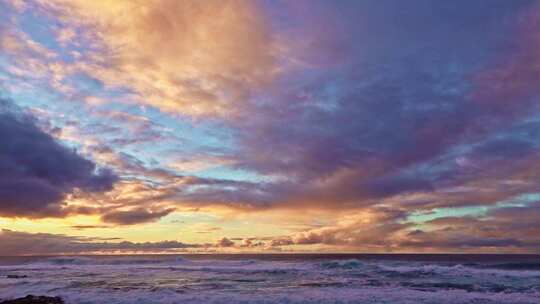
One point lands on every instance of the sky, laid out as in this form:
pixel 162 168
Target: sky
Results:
pixel 164 126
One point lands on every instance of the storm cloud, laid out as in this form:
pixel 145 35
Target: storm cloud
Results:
pixel 37 172
pixel 401 111
pixel 136 216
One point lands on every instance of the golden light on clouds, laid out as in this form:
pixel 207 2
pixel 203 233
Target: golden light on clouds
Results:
pixel 187 57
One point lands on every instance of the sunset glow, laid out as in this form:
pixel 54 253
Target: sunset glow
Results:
pixel 164 126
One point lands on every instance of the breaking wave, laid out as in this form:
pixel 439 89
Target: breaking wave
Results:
pixel 347 264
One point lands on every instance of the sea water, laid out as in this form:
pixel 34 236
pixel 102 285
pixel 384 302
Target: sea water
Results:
pixel 281 278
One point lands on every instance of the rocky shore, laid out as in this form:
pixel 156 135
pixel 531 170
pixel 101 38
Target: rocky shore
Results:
pixel 30 299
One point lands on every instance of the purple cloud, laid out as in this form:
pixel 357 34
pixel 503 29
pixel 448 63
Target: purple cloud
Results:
pixel 17 243
pixel 136 216
pixel 37 172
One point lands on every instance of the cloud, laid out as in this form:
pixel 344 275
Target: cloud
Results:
pixel 135 216
pixel 511 85
pixel 391 116
pixel 23 243
pixel 186 57
pixel 332 106
pixel 368 229
pixel 206 229
pixel 283 241
pixel 385 125
pixel 408 101
pixel 82 227
pixel 225 242
pixel 514 228
pixel 252 243
pixel 37 172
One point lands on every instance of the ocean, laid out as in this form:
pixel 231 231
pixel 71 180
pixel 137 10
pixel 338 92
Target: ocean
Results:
pixel 275 278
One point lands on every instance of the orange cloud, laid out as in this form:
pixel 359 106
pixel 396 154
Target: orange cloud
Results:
pixel 189 57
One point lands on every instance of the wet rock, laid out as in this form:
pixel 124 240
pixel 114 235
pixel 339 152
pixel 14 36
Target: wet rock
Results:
pixel 30 299
pixel 15 276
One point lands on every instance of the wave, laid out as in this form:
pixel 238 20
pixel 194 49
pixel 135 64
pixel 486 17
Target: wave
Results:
pixel 248 266
pixel 458 270
pixel 338 264
pixel 516 266
pixel 302 295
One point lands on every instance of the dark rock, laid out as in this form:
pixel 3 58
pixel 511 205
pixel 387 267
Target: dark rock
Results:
pixel 15 276
pixel 30 299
